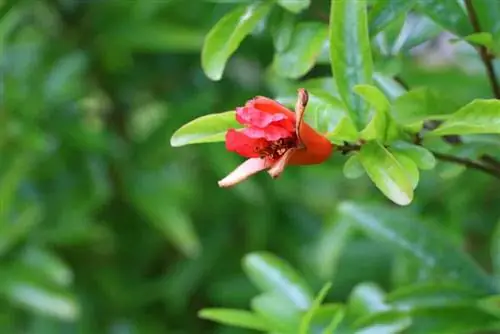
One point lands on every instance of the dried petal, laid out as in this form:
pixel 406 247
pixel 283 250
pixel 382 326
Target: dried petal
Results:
pixel 243 171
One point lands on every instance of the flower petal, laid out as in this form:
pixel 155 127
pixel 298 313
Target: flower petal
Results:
pixel 270 133
pixel 243 171
pixel 268 105
pixel 239 142
pixel 251 116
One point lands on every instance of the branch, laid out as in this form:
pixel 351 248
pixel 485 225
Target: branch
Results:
pixel 483 52
pixel 468 163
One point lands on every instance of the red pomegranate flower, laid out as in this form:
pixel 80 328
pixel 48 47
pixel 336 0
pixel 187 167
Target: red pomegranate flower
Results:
pixel 273 137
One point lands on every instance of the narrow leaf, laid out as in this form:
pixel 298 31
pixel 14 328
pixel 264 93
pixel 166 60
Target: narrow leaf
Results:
pixel 270 273
pixel 350 54
pixel 294 6
pixel 448 14
pixel 421 104
pixel 308 316
pixel 353 168
pixel 282 30
pixel 237 318
pixel 205 129
pixel 422 157
pixel 428 246
pixel 386 172
pixel 479 116
pixel 225 37
pixel 300 56
pixel 385 12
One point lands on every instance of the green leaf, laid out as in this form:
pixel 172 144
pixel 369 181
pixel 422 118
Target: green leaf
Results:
pixel 386 172
pixel 282 30
pixel 495 251
pixel 431 248
pixel 390 87
pixel 438 294
pixel 294 6
pixel 236 318
pixel 326 319
pixel 148 191
pixel 385 12
pixel 452 320
pixel 448 14
pixel 270 273
pixel 366 299
pixel 225 37
pixel 335 312
pixel 329 247
pixel 409 166
pixel 490 304
pixel 300 56
pixel 479 116
pixel 350 54
pixel 308 316
pixel 277 310
pixel 481 38
pixel 488 14
pixel 389 322
pixel 205 129
pixel 353 168
pixel 378 126
pixel 423 158
pixel 421 104
pixel 39 297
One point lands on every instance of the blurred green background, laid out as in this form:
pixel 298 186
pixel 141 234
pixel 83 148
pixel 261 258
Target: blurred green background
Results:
pixel 105 228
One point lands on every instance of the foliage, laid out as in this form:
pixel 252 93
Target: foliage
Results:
pixel 109 225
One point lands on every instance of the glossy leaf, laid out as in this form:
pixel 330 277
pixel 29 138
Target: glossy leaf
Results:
pixel 305 324
pixel 329 247
pixel 270 273
pixel 447 13
pixel 481 38
pixel 495 251
pixel 388 322
pixel 303 50
pixel 378 126
pixel 488 15
pixel 225 37
pixel 326 319
pixel 421 104
pixel 294 6
pixel 205 129
pixel 366 299
pixel 237 318
pixel 452 320
pixel 385 12
pixel 282 30
pixel 350 54
pixel 390 87
pixel 409 166
pixel 423 158
pixel 41 299
pixel 353 168
pixel 386 172
pixel 439 294
pixel 479 116
pixel 425 244
pixel 277 310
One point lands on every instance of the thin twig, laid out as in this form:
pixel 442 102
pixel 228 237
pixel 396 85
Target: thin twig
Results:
pixel 468 163
pixel 483 51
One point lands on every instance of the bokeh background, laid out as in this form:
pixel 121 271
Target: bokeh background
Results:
pixel 105 228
